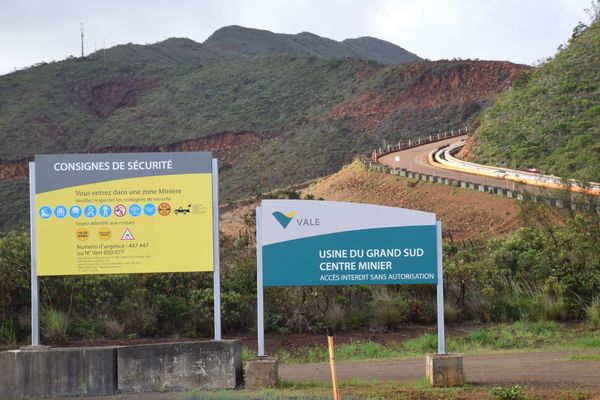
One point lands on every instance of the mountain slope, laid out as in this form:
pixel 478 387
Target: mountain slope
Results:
pixel 256 42
pixel 271 121
pixel 173 51
pixel 551 120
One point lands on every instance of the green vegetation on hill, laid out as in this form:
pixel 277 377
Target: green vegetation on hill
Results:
pixel 267 95
pixel 551 118
pixel 255 42
pixel 303 116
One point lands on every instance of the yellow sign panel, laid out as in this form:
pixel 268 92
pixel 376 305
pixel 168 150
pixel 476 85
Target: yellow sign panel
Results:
pixel 140 224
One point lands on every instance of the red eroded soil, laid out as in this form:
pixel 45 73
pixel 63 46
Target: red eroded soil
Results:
pixel 465 214
pixel 416 86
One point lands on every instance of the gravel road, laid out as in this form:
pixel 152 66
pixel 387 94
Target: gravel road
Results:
pixel 532 369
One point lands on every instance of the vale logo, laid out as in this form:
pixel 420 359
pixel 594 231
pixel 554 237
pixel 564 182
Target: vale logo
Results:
pixel 284 220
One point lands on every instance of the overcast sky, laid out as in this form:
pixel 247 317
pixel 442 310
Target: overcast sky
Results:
pixel 521 31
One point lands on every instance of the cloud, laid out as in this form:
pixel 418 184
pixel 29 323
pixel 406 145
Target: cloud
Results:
pixel 518 30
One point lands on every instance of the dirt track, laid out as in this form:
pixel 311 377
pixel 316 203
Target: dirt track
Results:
pixel 547 370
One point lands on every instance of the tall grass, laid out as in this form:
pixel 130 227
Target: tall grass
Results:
pixel 523 300
pixel 7 333
pixel 592 312
pixel 55 325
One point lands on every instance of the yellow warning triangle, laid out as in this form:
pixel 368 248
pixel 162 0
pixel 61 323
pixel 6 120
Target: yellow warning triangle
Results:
pixel 127 235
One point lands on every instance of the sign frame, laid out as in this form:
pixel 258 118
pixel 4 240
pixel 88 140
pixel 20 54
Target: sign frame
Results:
pixel 260 280
pixel 33 215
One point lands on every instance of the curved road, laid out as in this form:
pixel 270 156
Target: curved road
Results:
pixel 416 159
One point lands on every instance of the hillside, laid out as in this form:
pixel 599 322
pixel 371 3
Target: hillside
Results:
pixel 467 215
pixel 551 120
pixel 256 42
pixel 272 121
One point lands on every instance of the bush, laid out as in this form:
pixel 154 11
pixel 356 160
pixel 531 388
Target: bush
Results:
pixel 513 393
pixel 335 317
pixel 390 309
pixel 114 329
pixel 425 343
pixel 592 312
pixel 54 325
pixel 7 333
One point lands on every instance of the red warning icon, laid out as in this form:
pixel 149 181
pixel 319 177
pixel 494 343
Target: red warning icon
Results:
pixel 120 210
pixel 127 235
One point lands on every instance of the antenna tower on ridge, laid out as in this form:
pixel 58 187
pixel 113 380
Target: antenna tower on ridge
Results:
pixel 81 39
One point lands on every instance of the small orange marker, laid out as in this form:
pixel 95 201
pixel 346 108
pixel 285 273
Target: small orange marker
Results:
pixel 336 395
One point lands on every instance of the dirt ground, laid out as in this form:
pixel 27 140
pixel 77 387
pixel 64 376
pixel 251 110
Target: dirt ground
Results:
pixel 537 370
pixel 543 375
pixel 294 341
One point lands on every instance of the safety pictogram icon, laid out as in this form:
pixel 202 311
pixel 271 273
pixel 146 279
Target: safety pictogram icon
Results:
pixel 120 210
pixel 164 209
pixel 127 235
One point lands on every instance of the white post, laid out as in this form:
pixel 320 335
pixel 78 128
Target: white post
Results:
pixel 440 291
pixel 216 249
pixel 35 292
pixel 260 313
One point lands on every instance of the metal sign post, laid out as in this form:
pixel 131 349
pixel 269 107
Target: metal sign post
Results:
pixel 440 291
pixel 35 293
pixel 216 248
pixel 260 314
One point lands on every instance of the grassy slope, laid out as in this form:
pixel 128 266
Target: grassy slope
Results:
pixel 168 93
pixel 268 95
pixel 551 119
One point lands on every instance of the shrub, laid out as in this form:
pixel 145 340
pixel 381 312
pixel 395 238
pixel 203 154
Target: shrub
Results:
pixel 513 393
pixel 335 317
pixel 481 338
pixel 390 309
pixel 114 329
pixel 425 343
pixel 592 312
pixel 55 325
pixel 7 333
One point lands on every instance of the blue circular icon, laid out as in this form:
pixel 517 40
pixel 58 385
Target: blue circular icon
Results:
pixel 45 212
pixel 135 210
pixel 149 209
pixel 105 210
pixel 90 211
pixel 60 211
pixel 75 211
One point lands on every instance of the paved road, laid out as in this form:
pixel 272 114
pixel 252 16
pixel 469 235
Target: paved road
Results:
pixel 551 370
pixel 416 160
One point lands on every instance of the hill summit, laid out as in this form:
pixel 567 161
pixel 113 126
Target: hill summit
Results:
pixel 256 42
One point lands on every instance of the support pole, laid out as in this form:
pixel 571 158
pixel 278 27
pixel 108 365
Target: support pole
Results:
pixel 216 249
pixel 35 292
pixel 260 313
pixel 440 291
